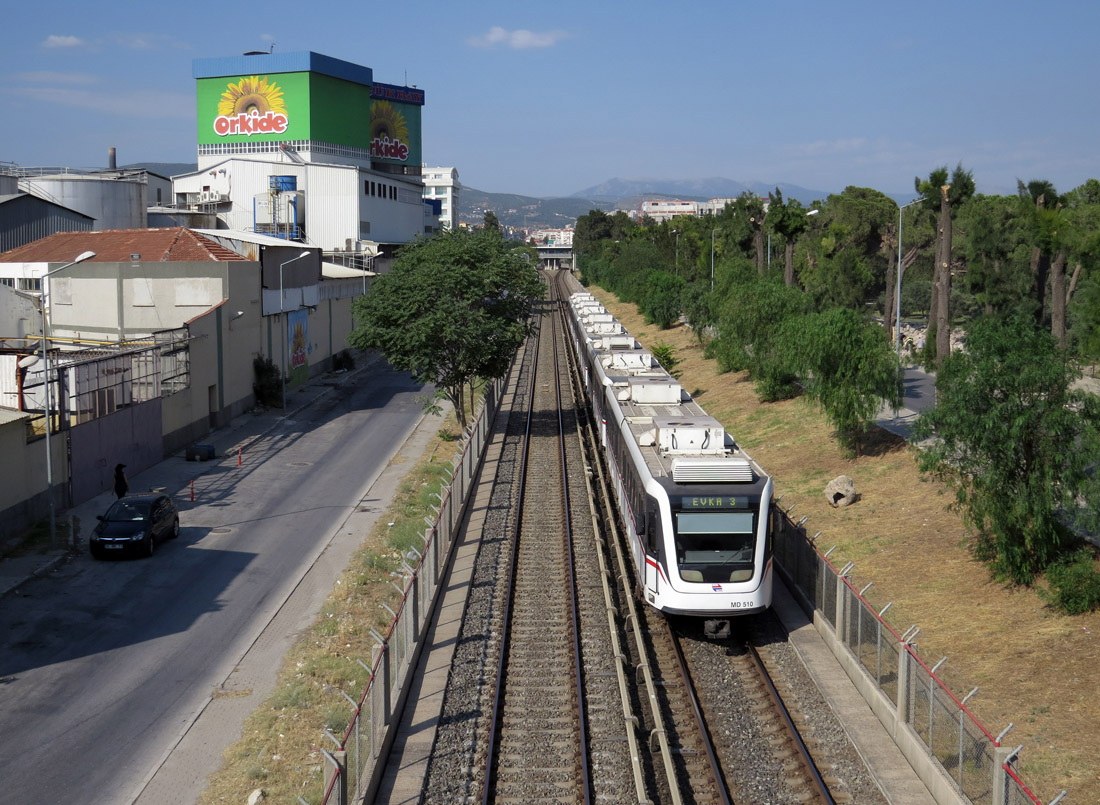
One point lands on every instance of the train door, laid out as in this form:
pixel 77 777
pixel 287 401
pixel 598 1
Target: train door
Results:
pixel 650 540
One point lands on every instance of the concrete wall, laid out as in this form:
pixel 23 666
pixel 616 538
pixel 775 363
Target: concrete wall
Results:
pixel 23 497
pixel 224 343
pixel 116 301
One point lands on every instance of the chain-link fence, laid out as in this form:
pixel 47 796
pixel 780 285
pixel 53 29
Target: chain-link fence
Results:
pixel 356 756
pixel 959 748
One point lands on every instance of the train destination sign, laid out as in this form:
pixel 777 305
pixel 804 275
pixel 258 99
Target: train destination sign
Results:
pixel 712 502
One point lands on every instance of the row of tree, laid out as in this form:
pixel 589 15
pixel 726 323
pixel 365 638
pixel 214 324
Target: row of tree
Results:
pixel 1016 277
pixel 964 254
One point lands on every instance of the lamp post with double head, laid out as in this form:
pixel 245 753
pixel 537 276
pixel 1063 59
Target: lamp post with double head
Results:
pixel 47 402
pixel 286 334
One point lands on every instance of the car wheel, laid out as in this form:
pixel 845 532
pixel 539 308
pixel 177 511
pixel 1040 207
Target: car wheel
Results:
pixel 175 529
pixel 150 543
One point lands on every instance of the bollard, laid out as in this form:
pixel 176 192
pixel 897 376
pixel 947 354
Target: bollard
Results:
pixel 238 456
pixel 192 491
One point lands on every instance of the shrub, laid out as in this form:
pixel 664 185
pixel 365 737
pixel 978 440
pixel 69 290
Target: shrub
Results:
pixel 666 356
pixel 268 383
pixel 1074 583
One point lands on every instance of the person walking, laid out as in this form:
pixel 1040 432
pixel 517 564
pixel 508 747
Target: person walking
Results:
pixel 121 484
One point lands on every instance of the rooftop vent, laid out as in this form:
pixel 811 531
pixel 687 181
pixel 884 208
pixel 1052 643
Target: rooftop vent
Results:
pixel 704 470
pixel 692 435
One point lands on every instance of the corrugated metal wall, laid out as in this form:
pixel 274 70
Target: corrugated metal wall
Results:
pixel 27 219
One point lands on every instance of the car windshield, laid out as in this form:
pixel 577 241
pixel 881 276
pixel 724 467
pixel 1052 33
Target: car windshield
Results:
pixel 127 511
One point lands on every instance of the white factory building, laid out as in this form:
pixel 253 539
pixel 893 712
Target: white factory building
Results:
pixel 309 148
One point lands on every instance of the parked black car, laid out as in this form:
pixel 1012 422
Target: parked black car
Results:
pixel 135 523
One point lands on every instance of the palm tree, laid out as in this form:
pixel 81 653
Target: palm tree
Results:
pixel 949 196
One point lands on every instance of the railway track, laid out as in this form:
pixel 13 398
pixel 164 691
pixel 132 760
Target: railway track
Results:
pixel 567 688
pixel 537 746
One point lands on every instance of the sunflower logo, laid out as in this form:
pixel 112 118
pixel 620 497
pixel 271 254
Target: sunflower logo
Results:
pixel 387 122
pixel 252 95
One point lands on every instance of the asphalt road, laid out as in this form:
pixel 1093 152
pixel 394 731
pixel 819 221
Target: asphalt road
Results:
pixel 104 666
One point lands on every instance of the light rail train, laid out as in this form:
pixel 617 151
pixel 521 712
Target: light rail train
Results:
pixel 696 508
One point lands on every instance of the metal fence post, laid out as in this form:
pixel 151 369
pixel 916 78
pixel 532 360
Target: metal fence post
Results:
pixel 1002 756
pixel 336 764
pixel 903 684
pixel 842 606
pixel 414 597
pixel 387 676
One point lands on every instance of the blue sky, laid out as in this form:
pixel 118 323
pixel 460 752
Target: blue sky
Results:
pixel 551 98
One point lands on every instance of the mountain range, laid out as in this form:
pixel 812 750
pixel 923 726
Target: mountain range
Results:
pixel 615 194
pixel 695 189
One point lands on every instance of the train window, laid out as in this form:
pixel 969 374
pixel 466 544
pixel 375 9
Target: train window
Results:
pixel 715 546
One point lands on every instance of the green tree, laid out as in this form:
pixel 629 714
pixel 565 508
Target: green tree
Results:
pixel 454 308
pixel 661 304
pixel 1084 316
pixel 1014 441
pixel 949 196
pixel 788 221
pixel 491 222
pixel 993 245
pixel 590 230
pixel 748 322
pixel 846 365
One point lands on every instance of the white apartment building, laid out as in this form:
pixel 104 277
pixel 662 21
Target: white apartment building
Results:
pixel 553 237
pixel 441 184
pixel 664 210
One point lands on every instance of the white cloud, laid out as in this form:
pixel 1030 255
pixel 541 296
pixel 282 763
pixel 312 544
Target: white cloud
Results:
pixel 55 41
pixel 517 40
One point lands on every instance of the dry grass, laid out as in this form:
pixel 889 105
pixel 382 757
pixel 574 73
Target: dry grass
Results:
pixel 280 748
pixel 1035 668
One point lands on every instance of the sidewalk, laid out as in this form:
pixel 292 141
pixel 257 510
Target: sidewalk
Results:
pixel 174 473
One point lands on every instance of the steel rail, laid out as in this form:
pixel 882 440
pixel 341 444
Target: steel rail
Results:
pixel 803 750
pixel 488 790
pixel 659 733
pixel 700 720
pixel 498 693
pixel 578 670
pixel 630 720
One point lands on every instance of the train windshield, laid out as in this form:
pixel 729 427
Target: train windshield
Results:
pixel 715 546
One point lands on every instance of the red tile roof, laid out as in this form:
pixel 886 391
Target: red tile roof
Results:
pixel 165 245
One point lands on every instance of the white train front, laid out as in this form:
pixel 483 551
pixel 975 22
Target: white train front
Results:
pixel 696 508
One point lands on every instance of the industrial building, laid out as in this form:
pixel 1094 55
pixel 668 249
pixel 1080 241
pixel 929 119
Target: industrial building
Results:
pixel 136 341
pixel 306 147
pixel 151 344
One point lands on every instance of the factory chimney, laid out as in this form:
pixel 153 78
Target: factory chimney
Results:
pixel 111 159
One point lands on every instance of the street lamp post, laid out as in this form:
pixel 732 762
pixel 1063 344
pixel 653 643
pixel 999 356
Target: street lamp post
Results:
pixel 897 290
pixel 676 232
pixel 47 402
pixel 282 304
